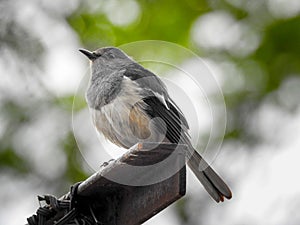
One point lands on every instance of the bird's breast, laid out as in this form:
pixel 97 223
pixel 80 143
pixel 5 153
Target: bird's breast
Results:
pixel 124 120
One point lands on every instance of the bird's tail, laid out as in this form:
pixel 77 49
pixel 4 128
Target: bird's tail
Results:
pixel 211 181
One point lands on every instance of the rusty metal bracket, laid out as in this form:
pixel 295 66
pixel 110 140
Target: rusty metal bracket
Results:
pixel 135 187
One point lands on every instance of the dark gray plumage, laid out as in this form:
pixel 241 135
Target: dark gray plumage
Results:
pixel 124 97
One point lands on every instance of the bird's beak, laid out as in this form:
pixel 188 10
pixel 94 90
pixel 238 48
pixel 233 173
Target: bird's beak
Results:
pixel 87 53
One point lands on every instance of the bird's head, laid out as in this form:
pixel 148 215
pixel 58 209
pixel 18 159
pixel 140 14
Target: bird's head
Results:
pixel 106 55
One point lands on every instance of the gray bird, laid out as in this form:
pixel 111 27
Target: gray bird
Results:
pixel 130 104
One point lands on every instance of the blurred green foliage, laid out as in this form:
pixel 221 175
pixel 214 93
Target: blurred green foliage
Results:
pixel 280 51
pixel 159 20
pixel 276 59
pixel 68 103
pixel 74 171
pixel 9 159
pixel 15 116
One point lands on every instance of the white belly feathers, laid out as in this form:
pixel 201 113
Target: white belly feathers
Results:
pixel 123 121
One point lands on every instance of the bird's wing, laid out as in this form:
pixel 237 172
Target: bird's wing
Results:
pixel 146 79
pixel 159 104
pixel 175 129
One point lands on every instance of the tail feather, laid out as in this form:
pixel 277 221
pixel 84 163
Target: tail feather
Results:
pixel 211 181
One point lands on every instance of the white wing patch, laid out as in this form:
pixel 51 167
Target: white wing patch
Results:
pixel 162 99
pixel 156 94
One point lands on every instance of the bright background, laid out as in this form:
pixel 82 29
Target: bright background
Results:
pixel 252 48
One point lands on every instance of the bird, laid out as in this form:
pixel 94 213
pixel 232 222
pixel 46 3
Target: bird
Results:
pixel 126 99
